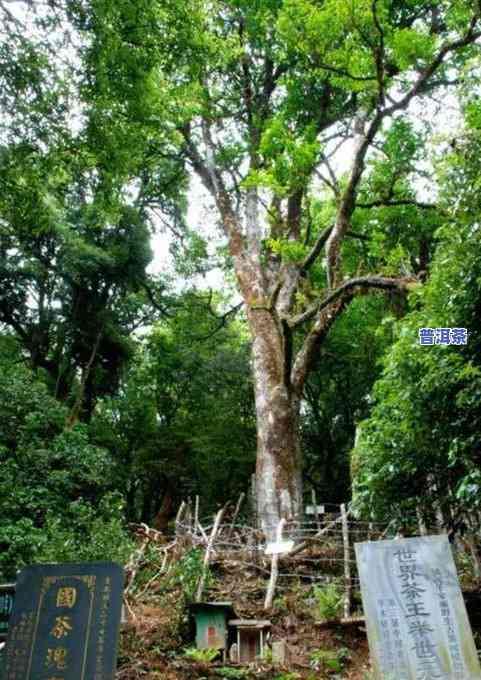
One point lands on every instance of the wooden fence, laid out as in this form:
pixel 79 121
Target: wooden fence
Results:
pixel 321 547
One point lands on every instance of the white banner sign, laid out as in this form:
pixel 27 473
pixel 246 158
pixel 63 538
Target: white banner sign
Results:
pixel 279 548
pixel 416 619
pixel 315 509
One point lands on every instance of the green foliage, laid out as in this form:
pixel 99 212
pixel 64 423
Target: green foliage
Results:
pixel 77 182
pixel 106 109
pixel 186 574
pixel 203 656
pixel 288 250
pixel 232 673
pixel 330 659
pixel 335 394
pixel 420 446
pixel 190 394
pixel 281 605
pixel 329 601
pixel 86 533
pixel 55 499
pixel 75 287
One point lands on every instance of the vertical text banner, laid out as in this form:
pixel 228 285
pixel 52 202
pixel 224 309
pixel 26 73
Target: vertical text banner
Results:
pixel 416 619
pixel 65 623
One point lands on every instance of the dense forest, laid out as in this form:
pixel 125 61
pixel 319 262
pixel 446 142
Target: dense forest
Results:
pixel 222 227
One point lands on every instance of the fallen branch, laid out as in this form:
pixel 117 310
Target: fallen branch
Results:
pixel 351 621
pixel 133 564
pixel 236 512
pixel 178 518
pixel 213 533
pixel 305 544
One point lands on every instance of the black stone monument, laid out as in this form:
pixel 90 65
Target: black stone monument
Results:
pixel 7 596
pixel 65 623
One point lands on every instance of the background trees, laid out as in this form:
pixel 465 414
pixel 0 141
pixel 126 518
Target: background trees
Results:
pixel 74 222
pixel 57 494
pixel 420 447
pixel 189 393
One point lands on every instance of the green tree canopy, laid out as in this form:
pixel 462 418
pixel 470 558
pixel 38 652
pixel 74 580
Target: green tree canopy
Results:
pixel 420 446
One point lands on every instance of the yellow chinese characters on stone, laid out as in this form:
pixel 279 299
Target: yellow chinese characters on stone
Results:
pixel 62 627
pixel 56 657
pixel 66 597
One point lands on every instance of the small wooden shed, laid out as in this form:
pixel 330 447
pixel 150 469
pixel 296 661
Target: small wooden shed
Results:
pixel 251 638
pixel 211 624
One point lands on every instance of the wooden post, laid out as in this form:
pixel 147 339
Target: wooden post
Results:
pixel 196 514
pixel 475 557
pixel 347 563
pixel 254 500
pixel 178 518
pixel 236 512
pixel 208 551
pixel 314 503
pixel 274 568
pixel 438 510
pixel 188 515
pixel 471 540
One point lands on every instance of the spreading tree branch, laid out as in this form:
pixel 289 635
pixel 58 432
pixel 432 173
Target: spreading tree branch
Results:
pixel 327 311
pixel 212 179
pixel 382 203
pixel 316 248
pixel 348 202
pixel 361 282
pixel 379 53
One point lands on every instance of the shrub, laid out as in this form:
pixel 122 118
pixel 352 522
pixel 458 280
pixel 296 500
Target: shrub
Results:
pixel 329 601
pixel 187 573
pixel 330 660
pixel 201 655
pixel 233 673
pixel 86 533
pixel 56 496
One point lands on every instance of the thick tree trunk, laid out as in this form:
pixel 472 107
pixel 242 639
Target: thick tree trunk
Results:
pixel 165 513
pixel 279 461
pixel 279 471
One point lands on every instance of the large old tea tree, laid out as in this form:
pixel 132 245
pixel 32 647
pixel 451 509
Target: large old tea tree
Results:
pixel 262 98
pixel 337 144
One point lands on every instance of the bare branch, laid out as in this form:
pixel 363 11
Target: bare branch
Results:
pixel 223 320
pixel 347 203
pixel 326 313
pixel 326 181
pixel 379 53
pixel 197 161
pixel 469 37
pixel 344 73
pixel 211 177
pixel 382 203
pixel 316 249
pixel 332 175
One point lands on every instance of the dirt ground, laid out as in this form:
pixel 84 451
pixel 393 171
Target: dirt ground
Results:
pixel 160 630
